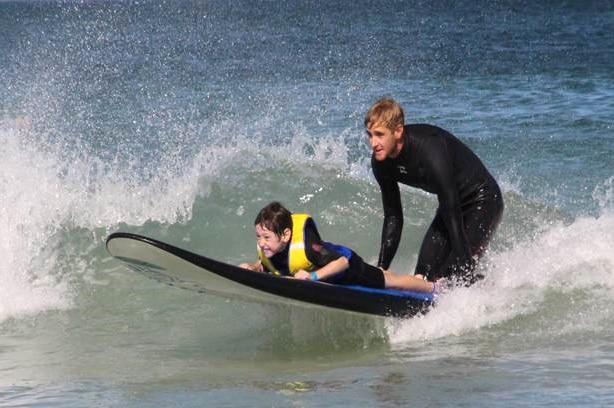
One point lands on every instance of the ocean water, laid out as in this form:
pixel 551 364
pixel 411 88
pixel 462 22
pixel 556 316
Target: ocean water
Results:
pixel 180 119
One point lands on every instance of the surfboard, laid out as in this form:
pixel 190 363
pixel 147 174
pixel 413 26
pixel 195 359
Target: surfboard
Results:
pixel 184 269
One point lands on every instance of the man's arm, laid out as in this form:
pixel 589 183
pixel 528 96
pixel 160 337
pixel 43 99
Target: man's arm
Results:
pixel 442 172
pixel 393 215
pixel 391 236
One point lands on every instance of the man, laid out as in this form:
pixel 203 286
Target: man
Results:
pixel 430 158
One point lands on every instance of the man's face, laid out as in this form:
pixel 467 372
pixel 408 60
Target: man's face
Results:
pixel 384 141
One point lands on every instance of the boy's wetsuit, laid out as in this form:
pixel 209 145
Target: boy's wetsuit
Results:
pixel 321 254
pixel 470 201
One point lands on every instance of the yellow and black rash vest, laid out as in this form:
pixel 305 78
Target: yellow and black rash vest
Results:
pixel 297 257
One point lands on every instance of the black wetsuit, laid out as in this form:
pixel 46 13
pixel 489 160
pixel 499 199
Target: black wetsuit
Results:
pixel 321 253
pixel 470 201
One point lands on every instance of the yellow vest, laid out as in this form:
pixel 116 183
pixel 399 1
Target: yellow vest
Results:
pixel 297 257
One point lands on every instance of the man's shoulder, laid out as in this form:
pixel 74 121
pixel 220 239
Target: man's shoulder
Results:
pixel 425 137
pixel 424 129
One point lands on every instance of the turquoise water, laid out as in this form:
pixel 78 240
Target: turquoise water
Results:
pixel 179 120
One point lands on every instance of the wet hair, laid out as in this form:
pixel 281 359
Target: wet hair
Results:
pixel 386 111
pixel 274 217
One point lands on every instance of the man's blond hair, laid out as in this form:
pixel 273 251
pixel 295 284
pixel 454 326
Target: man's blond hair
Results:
pixel 385 111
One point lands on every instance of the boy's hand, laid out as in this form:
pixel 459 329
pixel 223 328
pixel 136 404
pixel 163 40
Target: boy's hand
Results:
pixel 302 274
pixel 256 267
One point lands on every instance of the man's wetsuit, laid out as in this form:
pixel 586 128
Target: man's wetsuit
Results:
pixel 320 254
pixel 470 201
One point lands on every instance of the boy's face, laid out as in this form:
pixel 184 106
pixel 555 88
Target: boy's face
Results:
pixel 384 141
pixel 269 243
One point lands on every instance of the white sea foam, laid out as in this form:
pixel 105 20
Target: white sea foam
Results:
pixel 30 199
pixel 562 259
pixel 43 194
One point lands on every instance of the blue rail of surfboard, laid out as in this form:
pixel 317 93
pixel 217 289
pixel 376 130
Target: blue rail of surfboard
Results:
pixel 394 292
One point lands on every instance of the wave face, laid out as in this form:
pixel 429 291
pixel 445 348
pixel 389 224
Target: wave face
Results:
pixel 180 120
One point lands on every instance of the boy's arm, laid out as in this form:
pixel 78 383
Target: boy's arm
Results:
pixel 330 269
pixel 328 261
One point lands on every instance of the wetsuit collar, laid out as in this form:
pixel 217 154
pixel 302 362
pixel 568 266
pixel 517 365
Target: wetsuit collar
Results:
pixel 405 146
pixel 403 143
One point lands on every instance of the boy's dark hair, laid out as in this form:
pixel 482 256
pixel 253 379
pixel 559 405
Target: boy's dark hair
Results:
pixel 274 217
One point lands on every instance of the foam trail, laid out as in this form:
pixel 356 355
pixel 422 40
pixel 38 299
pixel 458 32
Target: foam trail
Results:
pixel 562 259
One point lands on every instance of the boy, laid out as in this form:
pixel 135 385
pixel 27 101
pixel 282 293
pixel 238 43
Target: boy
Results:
pixel 290 245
